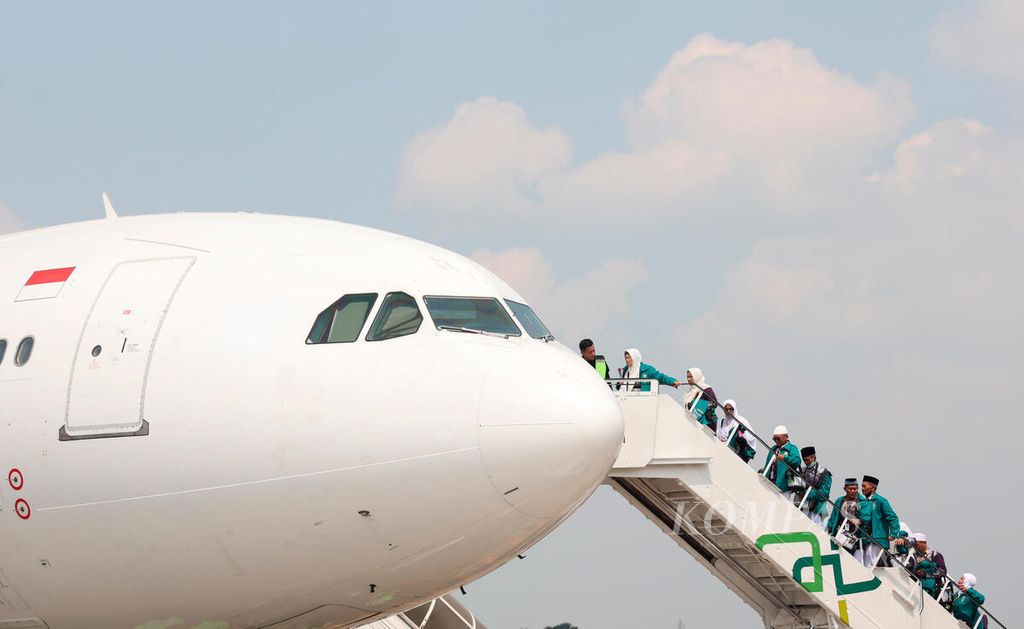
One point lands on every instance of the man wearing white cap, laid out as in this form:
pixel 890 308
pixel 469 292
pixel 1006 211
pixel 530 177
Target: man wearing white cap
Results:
pixel 782 457
pixel 928 566
pixel 965 607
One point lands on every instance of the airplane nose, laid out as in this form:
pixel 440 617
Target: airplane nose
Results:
pixel 549 431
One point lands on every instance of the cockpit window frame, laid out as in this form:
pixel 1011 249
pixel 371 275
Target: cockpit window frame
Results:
pixel 523 324
pixel 380 310
pixel 324 334
pixel 502 307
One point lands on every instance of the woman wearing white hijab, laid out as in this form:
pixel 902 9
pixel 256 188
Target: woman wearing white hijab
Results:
pixel 635 369
pixel 734 430
pixel 700 400
pixel 965 607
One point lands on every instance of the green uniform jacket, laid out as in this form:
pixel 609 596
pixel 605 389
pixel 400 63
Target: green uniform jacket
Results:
pixel 740 446
pixel 965 607
pixel 792 456
pixel 928 582
pixel 650 373
pixel 883 521
pixel 902 551
pixel 818 500
pixel 834 519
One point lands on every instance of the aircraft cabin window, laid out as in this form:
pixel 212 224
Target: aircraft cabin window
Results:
pixel 398 316
pixel 3 350
pixel 529 320
pixel 24 351
pixel 471 314
pixel 343 320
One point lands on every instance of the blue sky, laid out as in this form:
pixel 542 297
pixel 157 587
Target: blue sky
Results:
pixel 818 203
pixel 227 106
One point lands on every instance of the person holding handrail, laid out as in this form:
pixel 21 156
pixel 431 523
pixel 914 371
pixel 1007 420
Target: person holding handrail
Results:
pixel 635 369
pixel 700 400
pixel 929 566
pixel 904 544
pixel 735 432
pixel 819 485
pixel 845 518
pixel 965 606
pixel 783 459
pixel 879 523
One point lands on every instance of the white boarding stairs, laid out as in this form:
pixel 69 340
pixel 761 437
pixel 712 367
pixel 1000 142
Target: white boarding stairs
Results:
pixel 444 612
pixel 737 524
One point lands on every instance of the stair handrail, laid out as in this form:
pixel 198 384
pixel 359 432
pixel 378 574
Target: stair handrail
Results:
pixel 631 385
pixel 713 403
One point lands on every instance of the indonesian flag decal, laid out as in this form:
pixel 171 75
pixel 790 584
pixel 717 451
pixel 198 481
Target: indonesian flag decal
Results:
pixel 45 284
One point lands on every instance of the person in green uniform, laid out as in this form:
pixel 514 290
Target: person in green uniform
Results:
pixel 735 432
pixel 595 360
pixel 879 523
pixel 819 484
pixel 700 400
pixel 965 607
pixel 845 516
pixel 904 545
pixel 929 566
pixel 782 458
pixel 635 369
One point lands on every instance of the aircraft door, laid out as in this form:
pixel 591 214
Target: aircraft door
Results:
pixel 106 396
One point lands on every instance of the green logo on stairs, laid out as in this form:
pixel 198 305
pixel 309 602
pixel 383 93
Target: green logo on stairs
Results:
pixel 816 561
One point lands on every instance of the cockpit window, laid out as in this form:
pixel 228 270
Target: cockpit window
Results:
pixel 3 350
pixel 479 315
pixel 343 321
pixel 398 316
pixel 529 320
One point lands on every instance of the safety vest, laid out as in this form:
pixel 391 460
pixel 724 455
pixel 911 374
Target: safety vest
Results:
pixel 601 366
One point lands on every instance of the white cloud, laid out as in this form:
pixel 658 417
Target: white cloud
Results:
pixel 987 36
pixel 486 159
pixel 958 166
pixel 773 107
pixel 920 293
pixel 574 307
pixel 652 182
pixel 9 221
pixel 722 124
pixel 525 269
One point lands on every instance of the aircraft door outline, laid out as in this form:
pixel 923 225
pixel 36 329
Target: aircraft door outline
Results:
pixel 110 369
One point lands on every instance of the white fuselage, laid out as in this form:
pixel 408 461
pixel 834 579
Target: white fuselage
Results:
pixel 207 465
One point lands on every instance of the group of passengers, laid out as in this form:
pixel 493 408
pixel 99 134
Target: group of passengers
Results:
pixel 861 520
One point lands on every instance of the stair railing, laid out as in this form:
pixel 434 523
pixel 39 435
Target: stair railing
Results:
pixel 983 613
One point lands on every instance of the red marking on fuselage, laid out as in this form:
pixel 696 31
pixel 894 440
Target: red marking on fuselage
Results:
pixel 16 479
pixel 50 276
